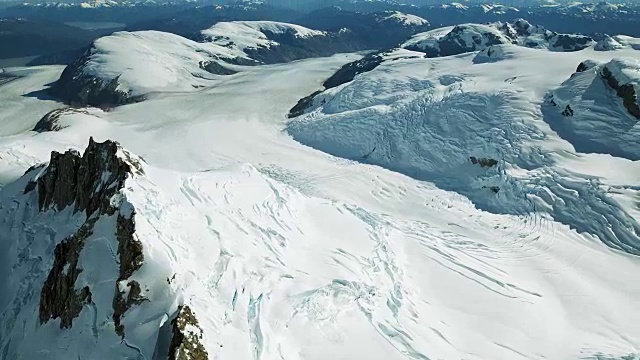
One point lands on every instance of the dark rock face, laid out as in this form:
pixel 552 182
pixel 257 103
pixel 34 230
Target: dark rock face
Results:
pixel 215 68
pixel 582 67
pixel 71 179
pixel 131 259
pixel 303 104
pixel 88 183
pixel 186 343
pixel 59 297
pixel 571 42
pixel 79 89
pixel 494 189
pixel 344 75
pixel 586 65
pixel 293 48
pixel 483 162
pixel 349 71
pixel 626 92
pixel 568 111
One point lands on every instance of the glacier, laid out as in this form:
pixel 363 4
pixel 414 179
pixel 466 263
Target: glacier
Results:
pixel 425 209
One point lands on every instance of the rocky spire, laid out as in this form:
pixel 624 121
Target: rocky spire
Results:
pixel 87 183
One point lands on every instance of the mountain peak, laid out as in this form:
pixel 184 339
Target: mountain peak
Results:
pixel 86 181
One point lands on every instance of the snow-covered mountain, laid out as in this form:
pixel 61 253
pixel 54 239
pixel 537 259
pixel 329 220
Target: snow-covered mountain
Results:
pixel 126 66
pixel 388 17
pixel 473 37
pixel 478 206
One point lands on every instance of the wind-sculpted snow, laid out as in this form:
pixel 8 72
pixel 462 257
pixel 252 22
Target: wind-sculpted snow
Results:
pixel 436 125
pixel 596 108
pixel 474 37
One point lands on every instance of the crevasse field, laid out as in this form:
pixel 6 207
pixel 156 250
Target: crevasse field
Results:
pixel 357 230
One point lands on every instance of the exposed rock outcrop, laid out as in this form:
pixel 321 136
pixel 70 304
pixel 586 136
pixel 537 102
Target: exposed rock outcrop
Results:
pixel 626 92
pixel 349 71
pixel 88 183
pixel 608 44
pixel 130 259
pixel 186 343
pixel 568 111
pixel 49 122
pixel 483 162
pixel 303 104
pixel 344 75
pixel 59 297
pixel 215 68
pixel 586 65
pixel 291 47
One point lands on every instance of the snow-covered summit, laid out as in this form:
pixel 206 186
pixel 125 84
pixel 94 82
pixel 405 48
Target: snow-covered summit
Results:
pixel 474 37
pixel 401 18
pixel 141 62
pixel 254 34
pixel 76 259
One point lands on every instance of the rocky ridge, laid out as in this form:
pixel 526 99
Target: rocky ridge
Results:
pixel 87 184
pixel 86 193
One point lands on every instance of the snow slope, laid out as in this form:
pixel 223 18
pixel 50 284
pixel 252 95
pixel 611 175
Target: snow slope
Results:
pixel 281 251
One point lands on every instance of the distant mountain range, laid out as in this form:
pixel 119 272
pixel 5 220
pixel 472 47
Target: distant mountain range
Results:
pixel 43 28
